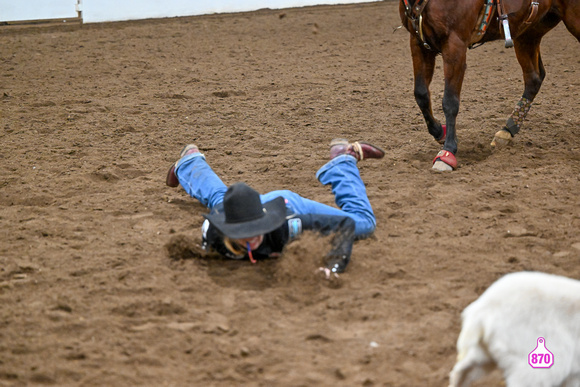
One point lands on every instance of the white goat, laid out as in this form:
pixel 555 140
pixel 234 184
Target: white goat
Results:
pixel 504 324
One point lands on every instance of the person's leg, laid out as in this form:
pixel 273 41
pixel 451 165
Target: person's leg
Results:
pixel 349 192
pixel 342 173
pixel 364 226
pixel 296 203
pixel 300 205
pixel 199 180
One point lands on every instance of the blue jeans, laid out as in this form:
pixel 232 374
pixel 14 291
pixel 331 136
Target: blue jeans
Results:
pixel 200 181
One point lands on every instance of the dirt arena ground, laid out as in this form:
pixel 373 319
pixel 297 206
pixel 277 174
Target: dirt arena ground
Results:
pixel 100 280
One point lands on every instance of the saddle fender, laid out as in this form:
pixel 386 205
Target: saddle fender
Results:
pixel 515 6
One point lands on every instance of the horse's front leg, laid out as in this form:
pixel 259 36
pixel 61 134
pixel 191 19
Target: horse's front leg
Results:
pixel 454 64
pixel 423 68
pixel 528 54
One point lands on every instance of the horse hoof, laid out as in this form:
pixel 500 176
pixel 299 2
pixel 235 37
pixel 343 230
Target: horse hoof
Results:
pixel 444 161
pixel 440 166
pixel 501 139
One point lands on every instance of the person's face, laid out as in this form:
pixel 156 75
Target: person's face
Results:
pixel 254 242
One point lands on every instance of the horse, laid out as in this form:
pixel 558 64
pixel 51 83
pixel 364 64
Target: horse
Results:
pixel 450 27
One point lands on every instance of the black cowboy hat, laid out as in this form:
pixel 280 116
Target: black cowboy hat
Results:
pixel 244 215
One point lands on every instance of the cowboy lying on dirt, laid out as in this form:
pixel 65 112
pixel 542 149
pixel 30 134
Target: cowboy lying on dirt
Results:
pixel 242 223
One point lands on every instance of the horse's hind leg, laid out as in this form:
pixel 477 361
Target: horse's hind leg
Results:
pixel 423 68
pixel 528 54
pixel 571 18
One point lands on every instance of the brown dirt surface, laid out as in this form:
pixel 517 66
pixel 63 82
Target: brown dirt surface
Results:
pixel 102 282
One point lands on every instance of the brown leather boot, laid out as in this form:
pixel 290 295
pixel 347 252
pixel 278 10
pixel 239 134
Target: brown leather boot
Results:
pixel 171 179
pixel 360 150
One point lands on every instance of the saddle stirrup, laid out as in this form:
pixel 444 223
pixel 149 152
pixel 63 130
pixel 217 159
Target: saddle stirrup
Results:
pixel 503 17
pixel 506 30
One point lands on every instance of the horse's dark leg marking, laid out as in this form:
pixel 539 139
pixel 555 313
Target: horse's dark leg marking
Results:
pixel 528 55
pixel 454 54
pixel 423 68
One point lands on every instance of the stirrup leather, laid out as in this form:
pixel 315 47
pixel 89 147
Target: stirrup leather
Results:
pixel 414 14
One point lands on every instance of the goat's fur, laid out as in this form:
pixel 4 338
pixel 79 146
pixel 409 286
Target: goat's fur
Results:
pixel 502 326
